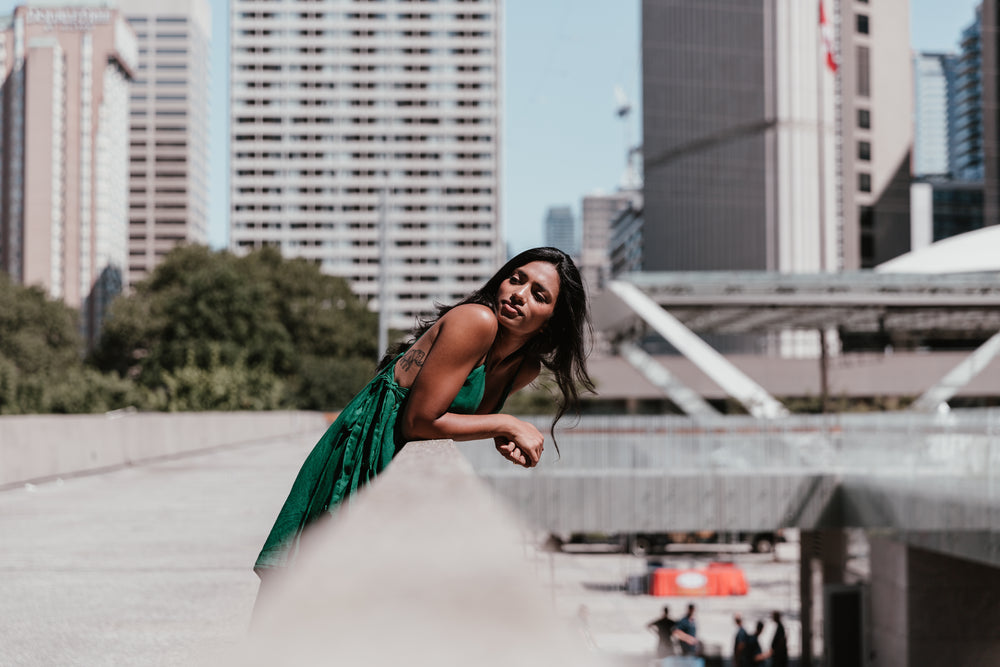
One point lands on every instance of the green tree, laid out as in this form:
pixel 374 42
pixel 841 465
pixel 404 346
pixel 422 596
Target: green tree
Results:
pixel 261 314
pixel 40 359
pixel 37 334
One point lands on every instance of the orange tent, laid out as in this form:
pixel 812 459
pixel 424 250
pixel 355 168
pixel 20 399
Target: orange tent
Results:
pixel 716 579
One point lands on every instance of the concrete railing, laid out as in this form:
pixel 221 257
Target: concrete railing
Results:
pixel 40 447
pixel 424 567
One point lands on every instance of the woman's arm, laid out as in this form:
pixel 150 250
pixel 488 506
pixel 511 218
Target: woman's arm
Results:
pixel 507 448
pixel 464 336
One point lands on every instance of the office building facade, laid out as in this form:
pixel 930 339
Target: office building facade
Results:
pixel 599 211
pixel 762 141
pixel 625 240
pixel 989 18
pixel 560 229
pixel 933 89
pixel 365 138
pixel 168 129
pixel 966 107
pixel 875 130
pixel 63 204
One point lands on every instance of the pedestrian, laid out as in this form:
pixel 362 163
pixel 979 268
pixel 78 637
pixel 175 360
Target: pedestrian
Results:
pixel 664 628
pixel 753 654
pixel 686 632
pixel 779 643
pixel 740 642
pixel 450 380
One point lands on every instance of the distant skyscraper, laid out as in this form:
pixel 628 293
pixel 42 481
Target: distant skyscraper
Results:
pixel 625 242
pixel 345 116
pixel 599 212
pixel 875 112
pixel 933 88
pixel 168 155
pixel 966 131
pixel 757 154
pixel 560 229
pixel 64 192
pixel 990 79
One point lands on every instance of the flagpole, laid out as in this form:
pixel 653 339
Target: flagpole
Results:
pixel 820 131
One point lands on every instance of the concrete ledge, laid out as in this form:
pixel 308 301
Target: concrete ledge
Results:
pixel 39 447
pixel 425 567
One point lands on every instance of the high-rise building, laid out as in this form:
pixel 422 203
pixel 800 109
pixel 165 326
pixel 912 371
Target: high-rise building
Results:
pixel 933 89
pixel 947 203
pixel 599 213
pixel 989 18
pixel 365 138
pixel 560 229
pixel 64 188
pixel 966 106
pixel 625 240
pixel 764 148
pixel 875 114
pixel 168 131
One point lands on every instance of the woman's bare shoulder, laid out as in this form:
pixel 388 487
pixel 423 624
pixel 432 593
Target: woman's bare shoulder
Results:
pixel 472 317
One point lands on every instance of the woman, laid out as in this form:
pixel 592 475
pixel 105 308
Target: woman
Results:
pixel 450 381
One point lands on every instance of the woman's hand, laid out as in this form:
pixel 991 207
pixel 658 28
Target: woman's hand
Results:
pixel 522 445
pixel 510 451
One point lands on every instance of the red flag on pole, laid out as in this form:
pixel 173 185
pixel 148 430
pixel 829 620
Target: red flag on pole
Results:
pixel 826 34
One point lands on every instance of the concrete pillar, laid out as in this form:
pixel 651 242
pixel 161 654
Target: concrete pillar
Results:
pixel 822 562
pixel 932 610
pixel 890 614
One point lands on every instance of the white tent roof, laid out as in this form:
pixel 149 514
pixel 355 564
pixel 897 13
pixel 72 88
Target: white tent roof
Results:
pixel 974 251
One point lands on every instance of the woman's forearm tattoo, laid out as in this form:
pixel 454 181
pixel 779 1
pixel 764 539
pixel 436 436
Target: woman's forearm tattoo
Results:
pixel 411 359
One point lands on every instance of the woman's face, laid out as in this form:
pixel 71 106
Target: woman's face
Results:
pixel 527 298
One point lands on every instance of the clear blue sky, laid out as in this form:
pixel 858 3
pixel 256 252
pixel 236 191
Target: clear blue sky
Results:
pixel 560 138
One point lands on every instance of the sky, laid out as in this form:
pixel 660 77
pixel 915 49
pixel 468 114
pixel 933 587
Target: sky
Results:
pixel 560 137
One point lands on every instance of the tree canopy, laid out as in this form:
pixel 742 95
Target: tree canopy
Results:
pixel 41 352
pixel 281 332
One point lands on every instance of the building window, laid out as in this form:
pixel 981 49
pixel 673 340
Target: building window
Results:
pixel 867 250
pixel 864 119
pixel 866 217
pixel 864 150
pixel 861 23
pixel 864 81
pixel 864 182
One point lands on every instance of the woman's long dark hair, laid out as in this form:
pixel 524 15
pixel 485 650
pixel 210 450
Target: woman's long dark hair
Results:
pixel 559 346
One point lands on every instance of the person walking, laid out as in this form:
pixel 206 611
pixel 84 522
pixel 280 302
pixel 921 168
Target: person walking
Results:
pixel 779 642
pixel 686 632
pixel 754 655
pixel 664 628
pixel 740 641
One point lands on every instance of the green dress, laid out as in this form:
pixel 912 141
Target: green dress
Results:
pixel 356 448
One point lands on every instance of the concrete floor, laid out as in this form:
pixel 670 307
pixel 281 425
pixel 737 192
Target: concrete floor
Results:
pixel 151 565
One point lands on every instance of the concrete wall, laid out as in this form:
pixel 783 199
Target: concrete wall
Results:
pixel 424 567
pixel 932 610
pixel 34 447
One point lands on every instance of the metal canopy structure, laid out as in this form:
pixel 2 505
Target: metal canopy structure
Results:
pixel 754 302
pixel 897 471
pixel 679 305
